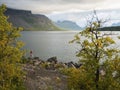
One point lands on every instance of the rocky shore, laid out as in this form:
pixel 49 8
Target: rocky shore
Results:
pixel 46 75
pixel 52 63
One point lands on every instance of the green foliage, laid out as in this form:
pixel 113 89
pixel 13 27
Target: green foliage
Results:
pixel 10 55
pixel 100 69
pixel 24 60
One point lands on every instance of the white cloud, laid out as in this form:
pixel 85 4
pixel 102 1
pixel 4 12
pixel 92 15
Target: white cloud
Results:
pixel 50 6
pixel 80 16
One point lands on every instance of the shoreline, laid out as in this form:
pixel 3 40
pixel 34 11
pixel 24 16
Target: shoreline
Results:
pixel 51 63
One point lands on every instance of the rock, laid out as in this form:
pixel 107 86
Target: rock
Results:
pixel 52 60
pixel 37 62
pixel 42 79
pixel 77 65
pixel 72 64
pixel 36 58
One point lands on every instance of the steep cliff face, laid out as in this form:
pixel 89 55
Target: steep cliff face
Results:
pixel 30 21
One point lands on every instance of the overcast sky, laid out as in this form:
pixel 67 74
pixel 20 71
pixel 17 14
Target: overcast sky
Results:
pixel 50 6
pixel 69 9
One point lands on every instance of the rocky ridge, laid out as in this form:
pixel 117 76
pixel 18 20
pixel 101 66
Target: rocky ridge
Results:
pixel 29 21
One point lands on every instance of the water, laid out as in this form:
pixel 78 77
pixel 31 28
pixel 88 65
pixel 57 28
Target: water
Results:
pixel 46 44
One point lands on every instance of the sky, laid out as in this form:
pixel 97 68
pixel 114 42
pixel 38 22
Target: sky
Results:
pixel 74 10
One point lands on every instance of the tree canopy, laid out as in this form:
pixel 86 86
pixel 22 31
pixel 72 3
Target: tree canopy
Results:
pixel 100 60
pixel 10 54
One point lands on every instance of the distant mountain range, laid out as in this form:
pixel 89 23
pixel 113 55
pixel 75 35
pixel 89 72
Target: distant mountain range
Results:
pixel 68 25
pixel 30 21
pixel 112 28
pixel 116 24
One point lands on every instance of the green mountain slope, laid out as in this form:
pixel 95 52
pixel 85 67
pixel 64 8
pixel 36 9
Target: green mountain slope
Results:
pixel 30 21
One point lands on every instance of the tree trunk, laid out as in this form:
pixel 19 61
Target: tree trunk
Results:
pixel 97 78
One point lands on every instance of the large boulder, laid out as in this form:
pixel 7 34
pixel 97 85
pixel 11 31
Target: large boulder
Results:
pixel 52 60
pixel 72 64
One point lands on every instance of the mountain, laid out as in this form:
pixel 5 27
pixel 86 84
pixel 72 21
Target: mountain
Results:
pixel 113 28
pixel 116 24
pixel 68 25
pixel 29 21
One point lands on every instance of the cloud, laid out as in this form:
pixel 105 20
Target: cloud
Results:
pixel 74 10
pixel 81 1
pixel 51 6
pixel 66 2
pixel 80 17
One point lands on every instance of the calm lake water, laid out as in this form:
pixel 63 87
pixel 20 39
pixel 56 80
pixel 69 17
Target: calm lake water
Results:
pixel 46 44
